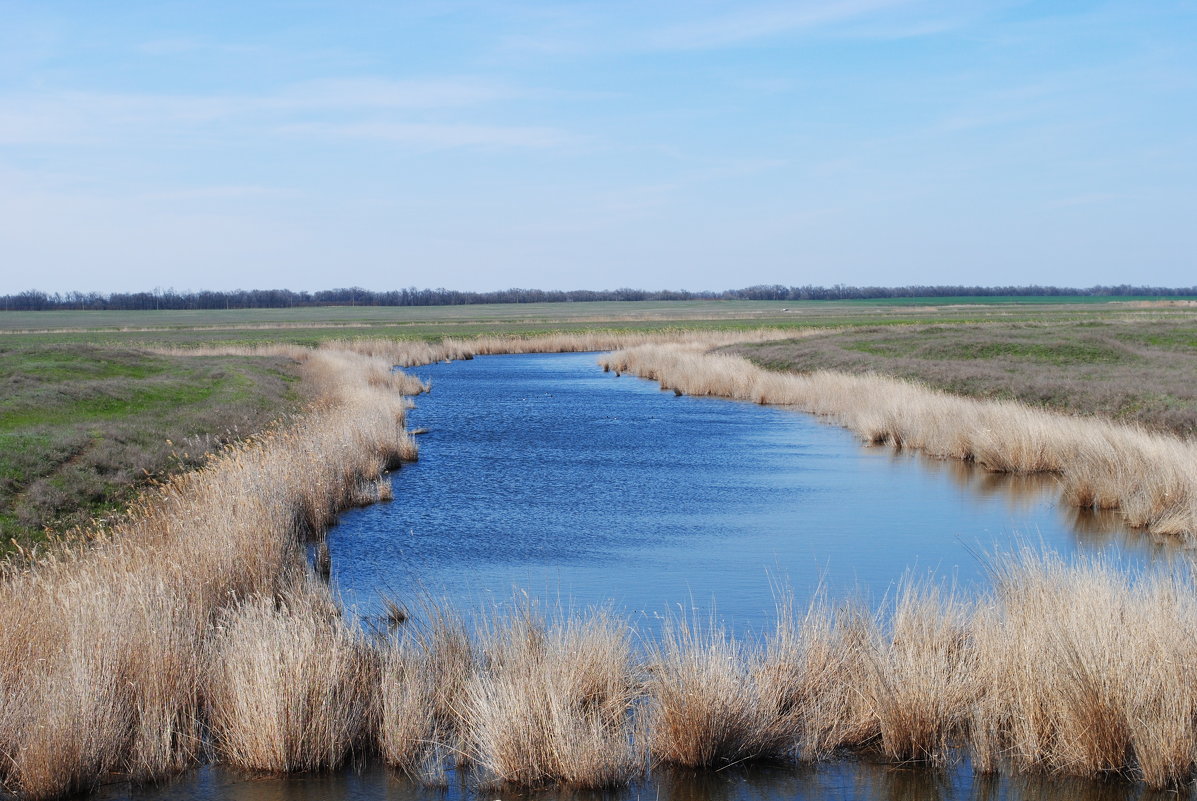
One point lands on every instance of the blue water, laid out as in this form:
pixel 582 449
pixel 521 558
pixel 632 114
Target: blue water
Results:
pixel 543 473
pixel 846 780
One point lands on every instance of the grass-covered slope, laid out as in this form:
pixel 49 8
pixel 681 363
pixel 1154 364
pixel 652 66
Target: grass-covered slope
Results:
pixel 83 427
pixel 1131 370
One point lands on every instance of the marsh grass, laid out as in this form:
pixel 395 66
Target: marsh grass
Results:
pixel 1149 478
pixel 290 688
pixel 425 670
pixel 552 701
pixel 199 615
pixel 1131 369
pixel 107 645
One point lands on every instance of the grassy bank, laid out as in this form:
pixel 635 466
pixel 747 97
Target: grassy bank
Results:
pixel 109 655
pixel 1137 370
pixel 84 428
pixel 1150 479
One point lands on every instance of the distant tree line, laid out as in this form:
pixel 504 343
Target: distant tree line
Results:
pixel 33 300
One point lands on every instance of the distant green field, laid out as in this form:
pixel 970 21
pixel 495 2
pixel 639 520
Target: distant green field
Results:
pixel 985 300
pixel 309 326
pixel 500 312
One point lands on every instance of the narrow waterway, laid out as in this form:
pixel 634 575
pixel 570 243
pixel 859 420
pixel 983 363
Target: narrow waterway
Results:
pixel 542 473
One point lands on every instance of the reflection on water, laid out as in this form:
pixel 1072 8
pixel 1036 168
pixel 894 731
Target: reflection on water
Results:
pixel 1019 492
pixel 848 780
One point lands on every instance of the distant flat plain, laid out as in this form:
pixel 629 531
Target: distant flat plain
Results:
pixel 310 325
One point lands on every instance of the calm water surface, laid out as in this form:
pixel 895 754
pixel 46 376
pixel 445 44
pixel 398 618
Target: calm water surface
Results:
pixel 544 473
pixel 848 780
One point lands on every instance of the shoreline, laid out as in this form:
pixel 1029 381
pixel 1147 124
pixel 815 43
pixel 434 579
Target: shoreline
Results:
pixel 1150 479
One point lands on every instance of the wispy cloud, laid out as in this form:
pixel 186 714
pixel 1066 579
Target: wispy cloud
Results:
pixel 360 106
pixel 221 193
pixel 186 45
pixel 760 22
pixel 386 93
pixel 1087 199
pixel 441 135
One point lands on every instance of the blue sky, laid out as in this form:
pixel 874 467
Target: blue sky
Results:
pixel 698 145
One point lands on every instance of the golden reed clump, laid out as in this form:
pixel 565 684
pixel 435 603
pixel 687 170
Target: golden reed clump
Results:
pixel 290 687
pixel 1151 479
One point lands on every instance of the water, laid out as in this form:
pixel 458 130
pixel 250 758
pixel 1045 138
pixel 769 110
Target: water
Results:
pixel 544 473
pixel 847 780
pixel 541 472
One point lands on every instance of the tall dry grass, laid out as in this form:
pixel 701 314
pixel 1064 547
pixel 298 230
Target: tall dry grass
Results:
pixel 290 687
pixel 423 680
pixel 102 646
pixel 1151 479
pixel 551 702
pixel 200 623
pixel 1083 672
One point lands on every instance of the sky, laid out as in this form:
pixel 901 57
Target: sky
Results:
pixel 594 145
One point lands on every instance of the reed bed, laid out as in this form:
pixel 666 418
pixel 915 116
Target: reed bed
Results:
pixel 416 352
pixel 1060 669
pixel 1149 478
pixel 198 629
pixel 290 687
pixel 103 646
pixel 551 702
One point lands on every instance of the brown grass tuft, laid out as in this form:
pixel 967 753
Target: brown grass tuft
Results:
pixel 552 702
pixel 290 687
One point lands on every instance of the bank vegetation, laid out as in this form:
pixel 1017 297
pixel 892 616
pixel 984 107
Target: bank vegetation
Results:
pixel 1149 478
pixel 199 628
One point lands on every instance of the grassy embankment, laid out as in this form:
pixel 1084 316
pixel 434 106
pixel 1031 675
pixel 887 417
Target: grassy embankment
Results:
pixel 1149 478
pixel 200 613
pixel 1137 370
pixel 83 428
pixel 114 656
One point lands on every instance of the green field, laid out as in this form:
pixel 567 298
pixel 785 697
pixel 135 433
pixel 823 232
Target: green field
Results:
pixel 309 326
pixel 83 426
pixel 1135 369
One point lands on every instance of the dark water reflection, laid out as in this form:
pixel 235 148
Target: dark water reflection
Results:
pixel 848 780
pixel 544 473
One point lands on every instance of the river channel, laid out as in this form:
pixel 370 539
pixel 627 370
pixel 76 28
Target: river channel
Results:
pixel 541 474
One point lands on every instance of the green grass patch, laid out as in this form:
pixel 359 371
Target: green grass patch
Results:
pixel 1127 367
pixel 83 427
pixel 1044 353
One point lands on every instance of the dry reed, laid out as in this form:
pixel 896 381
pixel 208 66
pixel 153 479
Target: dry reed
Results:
pixel 101 645
pixel 1151 479
pixel 423 680
pixel 290 686
pixel 201 610
pixel 551 702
